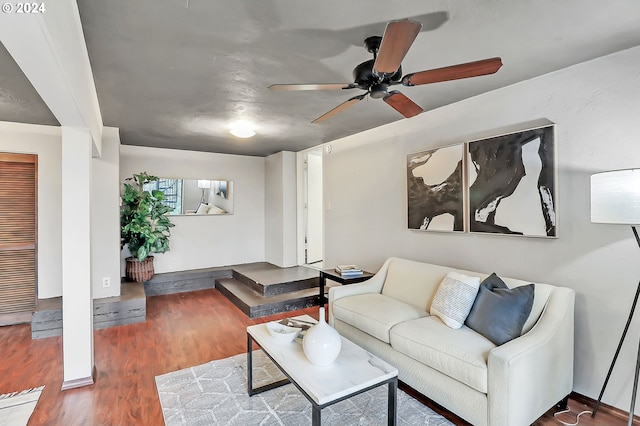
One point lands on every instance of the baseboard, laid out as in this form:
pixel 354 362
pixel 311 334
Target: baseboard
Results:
pixel 604 408
pixel 78 383
pixel 12 319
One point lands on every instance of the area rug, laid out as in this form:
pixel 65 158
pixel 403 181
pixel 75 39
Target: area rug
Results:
pixel 216 394
pixel 16 408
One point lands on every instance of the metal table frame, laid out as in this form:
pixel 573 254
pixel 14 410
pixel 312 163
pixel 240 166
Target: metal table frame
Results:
pixel 330 274
pixel 392 400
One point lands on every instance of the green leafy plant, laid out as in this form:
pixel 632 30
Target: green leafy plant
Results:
pixel 144 224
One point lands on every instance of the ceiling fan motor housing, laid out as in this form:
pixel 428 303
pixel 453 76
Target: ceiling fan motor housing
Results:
pixel 365 78
pixel 372 44
pixel 379 91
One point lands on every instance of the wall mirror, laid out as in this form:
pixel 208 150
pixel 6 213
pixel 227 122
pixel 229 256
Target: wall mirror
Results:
pixel 201 197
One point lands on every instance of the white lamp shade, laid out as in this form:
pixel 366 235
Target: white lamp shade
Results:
pixel 615 197
pixel 204 184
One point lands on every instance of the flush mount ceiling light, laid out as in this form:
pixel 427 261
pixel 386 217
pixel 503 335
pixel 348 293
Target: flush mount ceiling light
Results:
pixel 242 129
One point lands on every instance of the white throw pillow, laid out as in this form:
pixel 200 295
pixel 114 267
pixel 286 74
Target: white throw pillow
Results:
pixel 454 298
pixel 216 210
pixel 202 208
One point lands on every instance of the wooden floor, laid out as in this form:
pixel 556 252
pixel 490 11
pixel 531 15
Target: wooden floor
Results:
pixel 181 330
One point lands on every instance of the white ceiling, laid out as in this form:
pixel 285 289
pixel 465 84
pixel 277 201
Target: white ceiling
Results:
pixel 176 73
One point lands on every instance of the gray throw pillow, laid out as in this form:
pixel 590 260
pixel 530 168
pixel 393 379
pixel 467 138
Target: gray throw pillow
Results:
pixel 499 312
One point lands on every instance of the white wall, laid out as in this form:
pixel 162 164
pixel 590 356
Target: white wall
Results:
pixel 280 209
pixel 207 240
pixel 191 194
pixel 44 141
pixel 315 222
pixel 595 107
pixel 105 216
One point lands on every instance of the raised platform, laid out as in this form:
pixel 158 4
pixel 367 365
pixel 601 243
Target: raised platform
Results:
pixel 128 308
pixel 181 281
pixel 262 289
pixel 255 305
pixel 267 279
pixel 258 289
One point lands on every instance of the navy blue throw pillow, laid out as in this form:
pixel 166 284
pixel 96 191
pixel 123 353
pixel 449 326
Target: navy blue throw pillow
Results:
pixel 499 312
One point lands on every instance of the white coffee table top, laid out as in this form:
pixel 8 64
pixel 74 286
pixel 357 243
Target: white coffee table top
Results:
pixel 354 369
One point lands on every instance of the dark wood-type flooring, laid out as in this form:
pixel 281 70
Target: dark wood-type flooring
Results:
pixel 182 330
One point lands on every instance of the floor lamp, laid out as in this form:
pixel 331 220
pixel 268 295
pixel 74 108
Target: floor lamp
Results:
pixel 615 199
pixel 203 185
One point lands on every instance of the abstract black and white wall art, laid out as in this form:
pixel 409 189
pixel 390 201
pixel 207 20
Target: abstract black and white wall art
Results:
pixel 220 188
pixel 512 184
pixel 435 189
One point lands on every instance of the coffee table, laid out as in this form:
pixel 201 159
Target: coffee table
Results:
pixel 354 371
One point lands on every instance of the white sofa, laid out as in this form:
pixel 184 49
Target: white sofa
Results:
pixel 512 384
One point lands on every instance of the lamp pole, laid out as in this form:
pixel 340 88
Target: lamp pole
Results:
pixel 615 357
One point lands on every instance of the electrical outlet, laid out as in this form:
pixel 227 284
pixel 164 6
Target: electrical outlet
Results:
pixel 106 282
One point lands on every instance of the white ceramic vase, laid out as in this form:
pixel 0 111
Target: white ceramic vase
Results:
pixel 321 343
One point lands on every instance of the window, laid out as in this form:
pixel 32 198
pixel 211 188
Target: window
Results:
pixel 172 189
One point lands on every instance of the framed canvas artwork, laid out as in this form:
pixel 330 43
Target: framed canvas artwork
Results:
pixel 435 188
pixel 220 188
pixel 223 190
pixel 512 184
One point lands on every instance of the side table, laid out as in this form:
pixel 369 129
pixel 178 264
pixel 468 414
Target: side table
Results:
pixel 332 275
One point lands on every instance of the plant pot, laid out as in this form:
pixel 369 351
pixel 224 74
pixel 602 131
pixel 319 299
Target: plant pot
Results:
pixel 139 271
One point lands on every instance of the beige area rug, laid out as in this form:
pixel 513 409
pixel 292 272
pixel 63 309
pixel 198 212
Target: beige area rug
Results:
pixel 16 408
pixel 216 394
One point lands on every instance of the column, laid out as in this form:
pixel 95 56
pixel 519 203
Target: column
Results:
pixel 77 300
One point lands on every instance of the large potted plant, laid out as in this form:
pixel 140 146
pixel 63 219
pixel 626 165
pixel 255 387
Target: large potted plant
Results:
pixel 144 226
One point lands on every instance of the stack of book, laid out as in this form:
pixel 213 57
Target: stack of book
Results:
pixel 349 271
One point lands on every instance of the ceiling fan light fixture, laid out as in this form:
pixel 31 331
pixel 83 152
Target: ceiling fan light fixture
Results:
pixel 242 129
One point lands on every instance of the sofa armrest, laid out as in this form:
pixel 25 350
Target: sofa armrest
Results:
pixel 372 285
pixel 530 374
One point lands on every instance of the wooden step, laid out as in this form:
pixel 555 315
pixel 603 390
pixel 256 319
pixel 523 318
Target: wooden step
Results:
pixel 128 308
pixel 181 281
pixel 256 305
pixel 269 280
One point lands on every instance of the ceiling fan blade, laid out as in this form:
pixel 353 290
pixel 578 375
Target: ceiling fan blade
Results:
pixel 339 108
pixel 396 41
pixel 454 72
pixel 294 87
pixel 402 104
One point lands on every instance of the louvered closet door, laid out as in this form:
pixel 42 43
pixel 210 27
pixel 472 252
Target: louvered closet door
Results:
pixel 18 177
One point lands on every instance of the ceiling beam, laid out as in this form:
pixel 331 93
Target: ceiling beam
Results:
pixel 50 49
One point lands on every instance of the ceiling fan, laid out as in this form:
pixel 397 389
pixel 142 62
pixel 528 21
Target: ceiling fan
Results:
pixel 378 74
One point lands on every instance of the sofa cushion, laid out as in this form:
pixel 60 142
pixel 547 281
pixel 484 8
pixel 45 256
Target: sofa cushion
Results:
pixel 461 354
pixel 540 299
pixel 213 209
pixel 454 298
pixel 416 283
pixel 374 313
pixel 499 312
pixel 413 282
pixel 203 208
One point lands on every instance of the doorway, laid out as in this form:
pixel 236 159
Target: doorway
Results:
pixel 313 215
pixel 18 237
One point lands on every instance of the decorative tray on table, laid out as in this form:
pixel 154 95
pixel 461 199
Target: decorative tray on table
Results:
pixel 292 322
